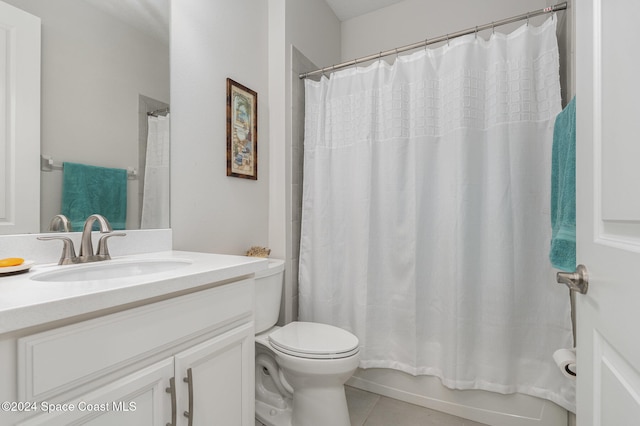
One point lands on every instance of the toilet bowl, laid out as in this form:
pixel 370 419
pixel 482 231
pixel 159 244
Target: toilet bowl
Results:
pixel 301 367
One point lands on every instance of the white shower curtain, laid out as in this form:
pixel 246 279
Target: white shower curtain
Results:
pixel 155 199
pixel 425 223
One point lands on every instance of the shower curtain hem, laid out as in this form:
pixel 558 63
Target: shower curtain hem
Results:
pixel 474 385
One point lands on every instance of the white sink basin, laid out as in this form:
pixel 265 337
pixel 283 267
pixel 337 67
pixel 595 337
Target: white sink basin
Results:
pixel 110 269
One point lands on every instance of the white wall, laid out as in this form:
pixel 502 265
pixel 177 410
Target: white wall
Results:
pixel 314 30
pixel 312 27
pixel 278 127
pixel 249 42
pixel 210 41
pixel 93 69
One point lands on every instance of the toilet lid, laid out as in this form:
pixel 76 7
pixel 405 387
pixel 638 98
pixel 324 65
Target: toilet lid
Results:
pixel 314 340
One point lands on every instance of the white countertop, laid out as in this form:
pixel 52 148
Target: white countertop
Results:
pixel 26 303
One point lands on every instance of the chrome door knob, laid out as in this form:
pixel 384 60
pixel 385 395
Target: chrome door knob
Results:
pixel 576 281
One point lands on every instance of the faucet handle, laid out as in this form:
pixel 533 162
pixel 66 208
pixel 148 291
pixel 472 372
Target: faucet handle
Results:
pixel 103 250
pixel 68 251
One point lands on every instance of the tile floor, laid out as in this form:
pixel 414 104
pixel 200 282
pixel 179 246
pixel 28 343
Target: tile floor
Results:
pixel 369 409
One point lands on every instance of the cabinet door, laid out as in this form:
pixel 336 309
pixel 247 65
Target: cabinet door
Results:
pixel 215 380
pixel 139 399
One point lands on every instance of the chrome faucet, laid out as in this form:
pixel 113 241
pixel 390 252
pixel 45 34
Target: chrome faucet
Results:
pixel 60 221
pixel 86 245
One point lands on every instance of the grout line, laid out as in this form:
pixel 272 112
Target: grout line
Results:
pixel 366 418
pixel 367 413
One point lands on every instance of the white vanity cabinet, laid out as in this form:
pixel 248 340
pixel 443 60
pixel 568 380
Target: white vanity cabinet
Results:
pixel 186 360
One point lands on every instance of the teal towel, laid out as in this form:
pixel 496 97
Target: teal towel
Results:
pixel 87 190
pixel 563 190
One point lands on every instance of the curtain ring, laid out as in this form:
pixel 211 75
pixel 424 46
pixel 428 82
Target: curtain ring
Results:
pixel 476 32
pixel 493 28
pixel 426 42
pixel 447 39
pixel 380 56
pixel 396 53
pixel 527 19
pixel 323 74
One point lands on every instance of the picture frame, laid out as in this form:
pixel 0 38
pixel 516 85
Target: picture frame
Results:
pixel 242 131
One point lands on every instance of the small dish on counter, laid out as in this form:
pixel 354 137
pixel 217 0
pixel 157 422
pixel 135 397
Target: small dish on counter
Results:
pixel 23 267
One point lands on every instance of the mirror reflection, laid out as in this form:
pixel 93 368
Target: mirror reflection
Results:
pixel 105 67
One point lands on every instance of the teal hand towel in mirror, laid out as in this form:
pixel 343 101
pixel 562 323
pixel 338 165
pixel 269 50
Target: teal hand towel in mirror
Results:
pixel 563 190
pixel 87 190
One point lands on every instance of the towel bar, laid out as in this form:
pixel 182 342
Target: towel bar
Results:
pixel 47 165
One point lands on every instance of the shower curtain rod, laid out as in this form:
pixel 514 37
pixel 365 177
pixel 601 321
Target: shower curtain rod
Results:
pixel 426 42
pixel 160 111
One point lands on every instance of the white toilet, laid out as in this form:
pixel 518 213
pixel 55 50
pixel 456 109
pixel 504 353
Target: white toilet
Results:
pixel 301 367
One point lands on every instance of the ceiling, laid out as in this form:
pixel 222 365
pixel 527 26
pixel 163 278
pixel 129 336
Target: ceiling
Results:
pixel 347 9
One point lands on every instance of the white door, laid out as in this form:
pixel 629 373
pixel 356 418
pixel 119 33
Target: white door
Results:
pixel 19 121
pixel 608 211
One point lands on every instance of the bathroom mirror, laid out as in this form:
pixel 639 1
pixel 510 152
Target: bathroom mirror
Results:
pixel 105 64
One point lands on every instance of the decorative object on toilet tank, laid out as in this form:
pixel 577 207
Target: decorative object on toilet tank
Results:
pixel 256 251
pixel 242 131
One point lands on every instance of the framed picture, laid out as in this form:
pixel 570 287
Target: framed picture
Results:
pixel 242 131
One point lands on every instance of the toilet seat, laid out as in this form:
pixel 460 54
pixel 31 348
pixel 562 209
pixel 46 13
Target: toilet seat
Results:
pixel 314 340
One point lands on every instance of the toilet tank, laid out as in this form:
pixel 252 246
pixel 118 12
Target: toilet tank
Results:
pixel 268 294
